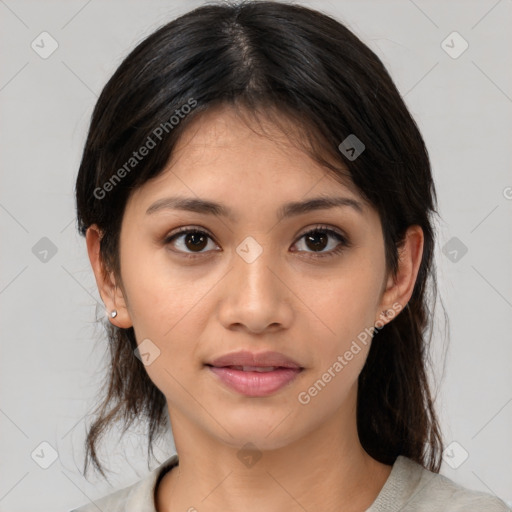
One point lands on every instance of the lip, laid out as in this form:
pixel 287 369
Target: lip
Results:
pixel 255 383
pixel 259 359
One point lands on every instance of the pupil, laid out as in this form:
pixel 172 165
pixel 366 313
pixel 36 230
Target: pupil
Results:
pixel 197 239
pixel 316 245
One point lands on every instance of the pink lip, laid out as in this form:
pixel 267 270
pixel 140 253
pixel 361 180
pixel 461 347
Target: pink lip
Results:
pixel 260 359
pixel 253 383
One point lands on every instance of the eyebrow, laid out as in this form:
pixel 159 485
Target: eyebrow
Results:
pixel 287 210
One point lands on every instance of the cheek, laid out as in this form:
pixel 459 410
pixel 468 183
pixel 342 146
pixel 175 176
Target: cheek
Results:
pixel 342 334
pixel 171 317
pixel 346 304
pixel 160 295
pixel 166 312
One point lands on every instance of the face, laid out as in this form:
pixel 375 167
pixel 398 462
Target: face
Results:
pixel 200 284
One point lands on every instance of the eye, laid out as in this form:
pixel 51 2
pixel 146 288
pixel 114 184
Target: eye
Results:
pixel 318 239
pixel 189 238
pixel 191 242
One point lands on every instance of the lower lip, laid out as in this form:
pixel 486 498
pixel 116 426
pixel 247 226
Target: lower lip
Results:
pixel 256 383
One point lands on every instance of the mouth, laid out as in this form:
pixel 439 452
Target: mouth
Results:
pixel 254 361
pixel 255 381
pixel 261 369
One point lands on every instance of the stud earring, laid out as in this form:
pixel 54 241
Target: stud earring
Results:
pixel 113 314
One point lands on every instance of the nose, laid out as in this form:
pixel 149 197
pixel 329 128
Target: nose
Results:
pixel 255 296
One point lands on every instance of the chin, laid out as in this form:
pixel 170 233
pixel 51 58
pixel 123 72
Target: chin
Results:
pixel 264 433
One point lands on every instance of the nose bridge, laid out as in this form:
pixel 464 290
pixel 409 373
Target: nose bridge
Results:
pixel 254 297
pixel 252 268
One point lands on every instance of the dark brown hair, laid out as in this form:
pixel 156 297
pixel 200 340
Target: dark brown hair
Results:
pixel 263 57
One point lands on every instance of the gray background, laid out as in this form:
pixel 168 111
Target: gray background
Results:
pixel 52 352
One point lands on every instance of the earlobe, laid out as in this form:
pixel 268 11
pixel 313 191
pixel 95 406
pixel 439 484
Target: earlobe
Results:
pixel 400 286
pixel 111 294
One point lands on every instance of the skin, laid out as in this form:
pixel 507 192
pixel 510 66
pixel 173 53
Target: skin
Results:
pixel 285 300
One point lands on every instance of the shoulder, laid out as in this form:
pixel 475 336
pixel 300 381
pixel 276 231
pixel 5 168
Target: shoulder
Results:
pixel 115 502
pixel 411 487
pixel 137 497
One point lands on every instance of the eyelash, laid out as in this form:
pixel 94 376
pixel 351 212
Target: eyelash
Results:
pixel 344 243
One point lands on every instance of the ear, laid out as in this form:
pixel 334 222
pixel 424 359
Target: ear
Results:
pixel 110 291
pixel 399 287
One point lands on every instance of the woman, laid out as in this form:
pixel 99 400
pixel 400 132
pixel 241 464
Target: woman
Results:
pixel 257 201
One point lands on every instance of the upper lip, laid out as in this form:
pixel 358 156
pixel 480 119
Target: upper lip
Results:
pixel 260 359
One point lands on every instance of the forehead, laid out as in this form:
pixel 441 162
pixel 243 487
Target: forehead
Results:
pixel 240 159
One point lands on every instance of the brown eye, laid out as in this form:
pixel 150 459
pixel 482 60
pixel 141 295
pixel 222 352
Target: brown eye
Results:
pixel 189 241
pixel 195 241
pixel 318 239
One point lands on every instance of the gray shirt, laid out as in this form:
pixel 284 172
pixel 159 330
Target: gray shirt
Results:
pixel 409 487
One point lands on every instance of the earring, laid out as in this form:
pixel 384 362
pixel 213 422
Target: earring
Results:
pixel 113 314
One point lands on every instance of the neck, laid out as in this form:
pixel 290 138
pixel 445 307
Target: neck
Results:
pixel 327 470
